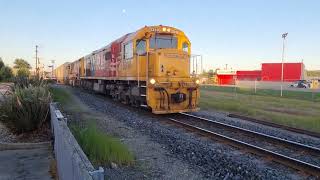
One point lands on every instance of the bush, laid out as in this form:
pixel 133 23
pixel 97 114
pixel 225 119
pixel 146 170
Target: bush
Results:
pixel 26 108
pixel 23 82
pixel 5 72
pixel 101 148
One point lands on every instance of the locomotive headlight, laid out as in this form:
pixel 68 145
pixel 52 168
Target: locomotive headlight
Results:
pixel 152 81
pixel 164 29
pixel 168 29
pixel 197 81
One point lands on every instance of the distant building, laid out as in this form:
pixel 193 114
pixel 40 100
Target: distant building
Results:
pixel 291 71
pixel 249 75
pixel 226 77
pixel 268 72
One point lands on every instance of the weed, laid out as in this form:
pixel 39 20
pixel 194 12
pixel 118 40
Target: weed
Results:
pixel 101 148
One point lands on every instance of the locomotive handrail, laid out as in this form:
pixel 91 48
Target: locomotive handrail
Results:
pixel 138 69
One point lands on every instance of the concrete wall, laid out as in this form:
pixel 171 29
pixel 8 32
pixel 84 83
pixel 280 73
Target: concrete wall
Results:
pixel 72 163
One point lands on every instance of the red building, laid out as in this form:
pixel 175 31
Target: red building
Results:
pixel 226 77
pixel 249 75
pixel 273 71
pixel 268 72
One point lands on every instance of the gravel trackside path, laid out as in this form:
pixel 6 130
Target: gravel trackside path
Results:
pixel 166 152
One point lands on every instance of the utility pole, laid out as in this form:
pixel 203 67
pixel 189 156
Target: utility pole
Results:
pixel 37 73
pixel 284 35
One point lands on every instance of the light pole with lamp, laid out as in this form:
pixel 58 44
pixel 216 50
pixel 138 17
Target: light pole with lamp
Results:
pixel 52 66
pixel 284 35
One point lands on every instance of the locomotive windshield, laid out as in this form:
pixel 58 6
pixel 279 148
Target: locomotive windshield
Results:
pixel 163 42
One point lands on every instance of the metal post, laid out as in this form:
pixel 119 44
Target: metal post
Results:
pixel 255 86
pixel 283 46
pixel 138 70
pixel 147 69
pixel 193 66
pixel 201 63
pixel 190 64
pixel 196 65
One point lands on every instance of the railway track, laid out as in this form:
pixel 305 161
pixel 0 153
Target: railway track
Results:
pixel 300 131
pixel 295 155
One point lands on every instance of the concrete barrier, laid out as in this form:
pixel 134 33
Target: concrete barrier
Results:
pixel 72 163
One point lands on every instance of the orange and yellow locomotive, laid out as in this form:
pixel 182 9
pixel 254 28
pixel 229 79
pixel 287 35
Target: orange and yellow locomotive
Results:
pixel 149 68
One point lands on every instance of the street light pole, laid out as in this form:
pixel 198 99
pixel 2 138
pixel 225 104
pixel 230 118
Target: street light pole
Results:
pixel 52 66
pixel 283 46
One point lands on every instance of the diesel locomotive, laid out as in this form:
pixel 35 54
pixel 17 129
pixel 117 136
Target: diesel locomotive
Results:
pixel 148 68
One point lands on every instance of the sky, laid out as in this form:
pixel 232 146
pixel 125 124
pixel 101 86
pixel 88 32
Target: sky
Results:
pixel 242 34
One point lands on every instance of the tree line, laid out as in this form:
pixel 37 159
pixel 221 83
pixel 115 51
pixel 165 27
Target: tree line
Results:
pixel 21 68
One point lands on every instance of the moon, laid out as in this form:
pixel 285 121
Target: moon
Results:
pixel 123 11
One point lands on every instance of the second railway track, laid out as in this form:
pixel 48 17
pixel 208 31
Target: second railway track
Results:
pixel 298 156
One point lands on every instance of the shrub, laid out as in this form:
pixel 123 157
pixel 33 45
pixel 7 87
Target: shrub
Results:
pixel 26 108
pixel 5 72
pixel 101 148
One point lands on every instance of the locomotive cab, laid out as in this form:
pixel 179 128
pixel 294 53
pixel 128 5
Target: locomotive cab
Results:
pixel 170 88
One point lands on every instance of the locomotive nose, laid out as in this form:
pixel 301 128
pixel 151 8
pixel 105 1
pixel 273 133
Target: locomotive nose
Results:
pixel 172 63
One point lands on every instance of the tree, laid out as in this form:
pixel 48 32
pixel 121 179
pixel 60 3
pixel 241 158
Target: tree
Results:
pixel 5 72
pixel 211 73
pixel 21 64
pixel 1 63
pixel 23 67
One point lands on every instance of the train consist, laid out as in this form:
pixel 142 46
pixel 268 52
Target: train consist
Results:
pixel 149 68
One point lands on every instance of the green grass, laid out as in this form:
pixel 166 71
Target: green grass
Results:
pixel 292 112
pixel 101 148
pixel 61 95
pixel 267 92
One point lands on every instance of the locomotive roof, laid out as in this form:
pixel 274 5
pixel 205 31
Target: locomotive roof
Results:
pixel 131 35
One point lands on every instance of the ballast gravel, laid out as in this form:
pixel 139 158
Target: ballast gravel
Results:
pixel 168 152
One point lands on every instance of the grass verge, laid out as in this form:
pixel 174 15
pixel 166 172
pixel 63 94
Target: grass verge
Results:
pixel 60 95
pixel 292 112
pixel 101 148
pixel 300 95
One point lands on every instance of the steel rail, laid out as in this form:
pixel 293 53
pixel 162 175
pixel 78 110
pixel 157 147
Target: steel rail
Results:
pixel 288 128
pixel 301 146
pixel 277 157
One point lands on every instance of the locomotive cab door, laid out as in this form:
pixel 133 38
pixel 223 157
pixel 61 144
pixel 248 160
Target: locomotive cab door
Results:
pixel 141 59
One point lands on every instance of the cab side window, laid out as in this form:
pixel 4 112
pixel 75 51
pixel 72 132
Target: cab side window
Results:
pixel 185 47
pixel 128 51
pixel 107 56
pixel 141 47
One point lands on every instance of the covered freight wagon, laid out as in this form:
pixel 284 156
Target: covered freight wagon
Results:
pixel 62 72
pixel 291 71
